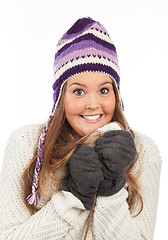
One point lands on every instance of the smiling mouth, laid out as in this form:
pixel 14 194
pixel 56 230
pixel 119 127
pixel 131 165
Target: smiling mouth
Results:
pixel 92 117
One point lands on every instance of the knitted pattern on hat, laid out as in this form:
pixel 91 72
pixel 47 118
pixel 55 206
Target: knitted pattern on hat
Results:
pixel 85 47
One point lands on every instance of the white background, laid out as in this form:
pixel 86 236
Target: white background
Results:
pixel 29 31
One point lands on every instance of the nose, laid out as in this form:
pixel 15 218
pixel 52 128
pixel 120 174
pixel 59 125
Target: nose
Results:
pixel 92 102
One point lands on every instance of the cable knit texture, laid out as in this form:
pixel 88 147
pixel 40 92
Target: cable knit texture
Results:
pixel 63 216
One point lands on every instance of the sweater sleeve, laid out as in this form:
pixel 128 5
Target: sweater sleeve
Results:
pixel 63 217
pixel 112 216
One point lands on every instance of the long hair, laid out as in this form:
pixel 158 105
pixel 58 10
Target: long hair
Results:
pixel 60 143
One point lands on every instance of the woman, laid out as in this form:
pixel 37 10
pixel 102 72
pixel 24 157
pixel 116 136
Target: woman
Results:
pixel 85 173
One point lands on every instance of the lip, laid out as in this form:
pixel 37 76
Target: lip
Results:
pixel 89 121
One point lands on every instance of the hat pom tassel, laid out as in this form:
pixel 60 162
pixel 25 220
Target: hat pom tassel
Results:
pixel 32 199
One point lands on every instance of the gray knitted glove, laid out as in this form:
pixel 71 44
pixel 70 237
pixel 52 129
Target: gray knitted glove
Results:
pixel 116 150
pixel 85 175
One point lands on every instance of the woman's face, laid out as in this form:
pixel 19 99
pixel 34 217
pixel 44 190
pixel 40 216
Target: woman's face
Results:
pixel 89 102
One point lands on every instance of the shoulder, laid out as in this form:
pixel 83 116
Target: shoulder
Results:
pixel 26 136
pixel 147 148
pixel 22 144
pixel 32 131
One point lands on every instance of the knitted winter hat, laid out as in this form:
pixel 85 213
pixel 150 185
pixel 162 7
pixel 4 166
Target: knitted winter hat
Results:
pixel 85 47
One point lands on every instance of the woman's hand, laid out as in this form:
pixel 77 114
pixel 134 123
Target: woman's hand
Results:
pixel 85 175
pixel 116 150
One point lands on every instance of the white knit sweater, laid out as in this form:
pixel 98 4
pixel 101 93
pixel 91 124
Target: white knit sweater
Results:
pixel 63 216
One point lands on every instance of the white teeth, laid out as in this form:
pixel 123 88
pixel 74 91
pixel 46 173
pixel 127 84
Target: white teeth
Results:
pixel 95 117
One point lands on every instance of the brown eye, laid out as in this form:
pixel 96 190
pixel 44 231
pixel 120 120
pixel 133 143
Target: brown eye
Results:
pixel 104 91
pixel 79 92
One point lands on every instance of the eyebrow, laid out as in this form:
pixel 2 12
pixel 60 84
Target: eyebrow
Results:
pixel 105 83
pixel 83 85
pixel 79 84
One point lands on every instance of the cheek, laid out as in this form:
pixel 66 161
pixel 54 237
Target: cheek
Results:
pixel 73 106
pixel 109 105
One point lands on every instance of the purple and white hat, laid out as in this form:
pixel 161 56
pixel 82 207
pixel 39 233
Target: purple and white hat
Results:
pixel 85 47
